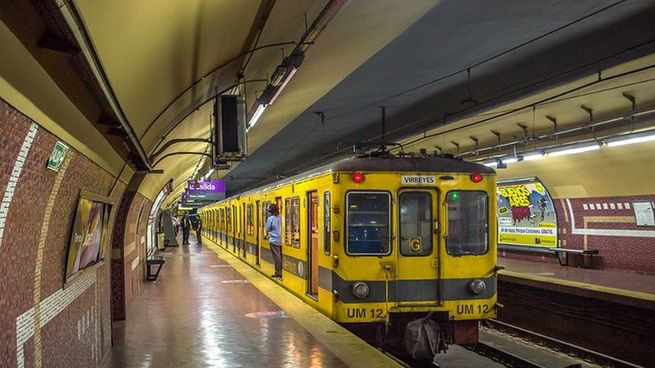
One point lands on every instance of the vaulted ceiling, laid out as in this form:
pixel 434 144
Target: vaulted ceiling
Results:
pixel 435 67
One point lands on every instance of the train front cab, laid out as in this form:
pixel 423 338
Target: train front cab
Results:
pixel 417 250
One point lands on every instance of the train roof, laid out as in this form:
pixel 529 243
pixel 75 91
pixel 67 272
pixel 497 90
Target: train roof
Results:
pixel 392 163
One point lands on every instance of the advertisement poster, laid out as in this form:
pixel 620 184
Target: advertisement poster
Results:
pixel 89 228
pixel 526 215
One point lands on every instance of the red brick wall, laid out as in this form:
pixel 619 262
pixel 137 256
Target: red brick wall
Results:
pixel 129 251
pixel 607 224
pixel 625 245
pixel 75 320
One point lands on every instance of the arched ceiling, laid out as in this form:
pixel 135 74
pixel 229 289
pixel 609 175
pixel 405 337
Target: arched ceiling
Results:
pixel 164 60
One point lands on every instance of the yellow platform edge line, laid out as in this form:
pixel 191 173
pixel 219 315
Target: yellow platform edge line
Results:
pixel 352 350
pixel 581 285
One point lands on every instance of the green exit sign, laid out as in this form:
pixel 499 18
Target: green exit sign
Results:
pixel 57 156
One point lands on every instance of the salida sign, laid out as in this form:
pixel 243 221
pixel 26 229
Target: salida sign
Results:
pixel 216 186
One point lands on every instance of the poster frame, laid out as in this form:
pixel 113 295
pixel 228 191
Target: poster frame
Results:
pixel 106 237
pixel 527 248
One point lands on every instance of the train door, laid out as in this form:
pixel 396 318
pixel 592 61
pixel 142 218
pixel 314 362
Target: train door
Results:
pixel 234 229
pixel 418 246
pixel 258 226
pixel 312 244
pixel 244 229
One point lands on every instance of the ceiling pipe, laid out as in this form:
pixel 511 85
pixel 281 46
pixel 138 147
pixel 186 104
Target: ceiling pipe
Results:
pixel 176 141
pixel 180 153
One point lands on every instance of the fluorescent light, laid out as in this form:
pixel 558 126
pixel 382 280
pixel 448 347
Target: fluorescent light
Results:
pixel 283 84
pixel 258 113
pixel 491 164
pixel 510 160
pixel 209 173
pixel 533 156
pixel 575 150
pixel 628 140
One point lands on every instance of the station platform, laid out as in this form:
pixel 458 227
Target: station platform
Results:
pixel 621 283
pixel 207 309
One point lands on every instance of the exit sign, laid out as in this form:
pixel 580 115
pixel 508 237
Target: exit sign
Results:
pixel 57 156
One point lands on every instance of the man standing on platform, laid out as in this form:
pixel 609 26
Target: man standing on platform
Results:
pixel 273 228
pixel 186 226
pixel 198 229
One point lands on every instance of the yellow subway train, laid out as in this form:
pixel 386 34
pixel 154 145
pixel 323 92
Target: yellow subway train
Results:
pixel 382 245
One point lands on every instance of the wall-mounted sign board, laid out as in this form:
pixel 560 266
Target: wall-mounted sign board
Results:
pixel 57 156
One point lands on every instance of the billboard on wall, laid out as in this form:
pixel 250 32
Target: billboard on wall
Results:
pixel 526 214
pixel 89 233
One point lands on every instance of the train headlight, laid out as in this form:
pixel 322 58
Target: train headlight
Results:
pixel 477 286
pixel 360 290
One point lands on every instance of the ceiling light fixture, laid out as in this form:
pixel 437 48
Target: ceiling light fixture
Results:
pixel 648 136
pixel 281 86
pixel 574 150
pixel 533 156
pixel 256 115
pixel 208 175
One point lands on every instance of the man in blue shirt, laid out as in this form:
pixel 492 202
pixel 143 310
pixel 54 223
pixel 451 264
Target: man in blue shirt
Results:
pixel 273 231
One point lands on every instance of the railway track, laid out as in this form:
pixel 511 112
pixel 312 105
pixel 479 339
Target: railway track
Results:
pixel 579 321
pixel 561 346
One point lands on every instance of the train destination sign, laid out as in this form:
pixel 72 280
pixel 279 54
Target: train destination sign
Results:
pixel 526 214
pixel 418 180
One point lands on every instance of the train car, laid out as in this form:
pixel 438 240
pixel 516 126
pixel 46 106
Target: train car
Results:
pixel 385 246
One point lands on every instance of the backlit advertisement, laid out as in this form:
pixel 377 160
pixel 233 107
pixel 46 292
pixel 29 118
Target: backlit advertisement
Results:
pixel 87 240
pixel 526 215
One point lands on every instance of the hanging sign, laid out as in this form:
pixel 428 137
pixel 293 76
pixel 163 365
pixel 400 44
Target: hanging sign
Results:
pixel 526 214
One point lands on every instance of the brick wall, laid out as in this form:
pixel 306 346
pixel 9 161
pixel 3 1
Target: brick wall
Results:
pixel 129 251
pixel 607 224
pixel 42 322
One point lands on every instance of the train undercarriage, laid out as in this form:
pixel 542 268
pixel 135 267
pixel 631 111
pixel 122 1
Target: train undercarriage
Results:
pixel 419 336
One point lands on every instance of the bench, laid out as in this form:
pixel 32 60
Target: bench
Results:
pixel 156 261
pixel 586 256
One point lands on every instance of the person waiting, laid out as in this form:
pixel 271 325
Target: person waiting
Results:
pixel 273 229
pixel 186 226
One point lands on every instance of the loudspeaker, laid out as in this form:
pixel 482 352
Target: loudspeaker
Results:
pixel 229 129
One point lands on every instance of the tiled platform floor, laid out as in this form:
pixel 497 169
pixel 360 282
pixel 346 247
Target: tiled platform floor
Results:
pixel 196 315
pixel 615 279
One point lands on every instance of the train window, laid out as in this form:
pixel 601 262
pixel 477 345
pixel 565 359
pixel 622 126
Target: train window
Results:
pixel 467 222
pixel 250 230
pixel 327 238
pixel 265 215
pixel 221 219
pixel 292 221
pixel 228 214
pixel 368 217
pixel 415 224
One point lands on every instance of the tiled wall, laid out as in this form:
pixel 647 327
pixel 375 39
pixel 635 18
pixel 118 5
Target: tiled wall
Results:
pixel 43 323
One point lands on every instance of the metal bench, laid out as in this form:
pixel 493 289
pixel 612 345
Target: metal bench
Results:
pixel 154 261
pixel 586 256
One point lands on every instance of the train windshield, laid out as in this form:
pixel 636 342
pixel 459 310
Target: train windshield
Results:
pixel 368 216
pixel 415 224
pixel 467 223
